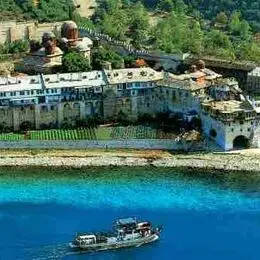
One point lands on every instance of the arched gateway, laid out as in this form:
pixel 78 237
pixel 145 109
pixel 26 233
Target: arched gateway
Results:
pixel 240 142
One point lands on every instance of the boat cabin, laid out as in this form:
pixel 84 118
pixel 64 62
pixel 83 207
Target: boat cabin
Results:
pixel 86 239
pixel 126 223
pixel 143 225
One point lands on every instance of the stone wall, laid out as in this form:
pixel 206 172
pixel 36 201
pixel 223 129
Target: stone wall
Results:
pixel 13 30
pixel 156 144
pixel 47 114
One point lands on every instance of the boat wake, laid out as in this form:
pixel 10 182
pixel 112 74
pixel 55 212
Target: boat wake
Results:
pixel 50 252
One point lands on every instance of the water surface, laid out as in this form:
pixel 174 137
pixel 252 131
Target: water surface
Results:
pixel 205 216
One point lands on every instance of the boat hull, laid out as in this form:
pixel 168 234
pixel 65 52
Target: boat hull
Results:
pixel 115 245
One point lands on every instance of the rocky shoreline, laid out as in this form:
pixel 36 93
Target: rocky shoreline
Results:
pixel 242 161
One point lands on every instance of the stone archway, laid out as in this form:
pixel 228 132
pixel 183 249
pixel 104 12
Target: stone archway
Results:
pixel 240 142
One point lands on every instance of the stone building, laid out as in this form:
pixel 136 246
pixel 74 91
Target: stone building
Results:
pixel 228 117
pixel 253 81
pixel 29 30
pixel 50 100
pixel 47 58
pixel 131 91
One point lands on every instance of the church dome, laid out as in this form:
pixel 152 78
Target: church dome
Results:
pixel 69 30
pixel 47 36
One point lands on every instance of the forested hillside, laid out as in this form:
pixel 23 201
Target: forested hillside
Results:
pixel 209 9
pixel 250 9
pixel 183 26
pixel 44 11
pixel 228 29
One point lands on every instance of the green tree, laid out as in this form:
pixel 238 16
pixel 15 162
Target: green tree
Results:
pixel 238 27
pixel 18 46
pixel 115 24
pixel 139 24
pixel 179 6
pixel 106 55
pixel 165 5
pixel 222 18
pixel 248 51
pixel 171 34
pixel 75 62
pixel 218 44
pixel 194 43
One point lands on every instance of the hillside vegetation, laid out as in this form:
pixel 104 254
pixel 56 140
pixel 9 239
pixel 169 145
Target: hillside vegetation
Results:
pixel 224 29
pixel 45 11
pixel 209 9
pixel 188 26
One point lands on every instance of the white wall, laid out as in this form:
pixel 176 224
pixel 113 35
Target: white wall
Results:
pixel 160 144
pixel 209 123
pixel 226 133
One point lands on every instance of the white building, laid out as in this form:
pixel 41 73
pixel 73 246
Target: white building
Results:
pixel 229 118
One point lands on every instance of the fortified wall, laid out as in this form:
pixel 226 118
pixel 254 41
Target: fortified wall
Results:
pixel 13 30
pixel 48 115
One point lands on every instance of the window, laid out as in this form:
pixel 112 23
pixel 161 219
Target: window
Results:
pixel 137 84
pixel 22 93
pixel 173 95
pixel 44 108
pixel 47 91
pixel 119 87
pixel 32 92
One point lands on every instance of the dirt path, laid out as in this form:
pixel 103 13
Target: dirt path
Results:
pixel 87 7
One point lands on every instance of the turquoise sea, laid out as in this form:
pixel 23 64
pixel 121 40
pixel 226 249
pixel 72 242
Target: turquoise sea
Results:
pixel 204 215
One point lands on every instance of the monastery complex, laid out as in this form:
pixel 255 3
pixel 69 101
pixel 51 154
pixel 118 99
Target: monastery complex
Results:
pixel 227 116
pixel 49 99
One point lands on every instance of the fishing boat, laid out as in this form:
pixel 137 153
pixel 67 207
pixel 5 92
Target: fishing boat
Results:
pixel 128 232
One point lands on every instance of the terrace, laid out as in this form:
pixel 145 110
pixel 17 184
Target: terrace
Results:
pixel 100 133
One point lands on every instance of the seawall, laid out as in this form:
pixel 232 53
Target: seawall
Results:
pixel 155 144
